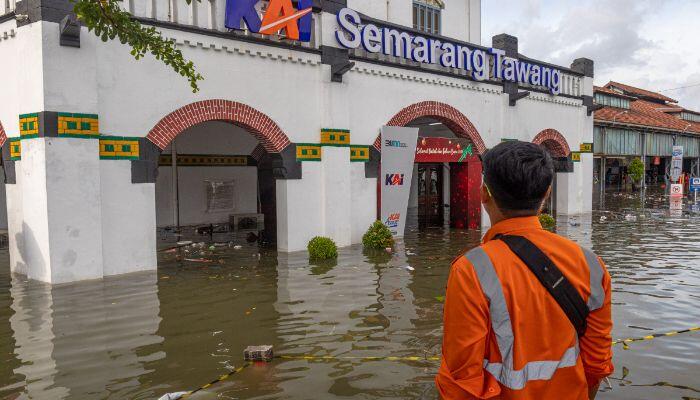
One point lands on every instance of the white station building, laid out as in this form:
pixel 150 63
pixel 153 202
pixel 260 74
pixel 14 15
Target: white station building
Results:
pixel 101 150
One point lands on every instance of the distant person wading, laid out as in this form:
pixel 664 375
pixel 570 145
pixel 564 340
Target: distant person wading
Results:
pixel 527 314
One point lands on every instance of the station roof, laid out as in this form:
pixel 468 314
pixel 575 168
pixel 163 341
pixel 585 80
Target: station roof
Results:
pixel 645 112
pixel 638 92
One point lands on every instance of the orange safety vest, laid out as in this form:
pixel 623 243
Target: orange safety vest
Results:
pixel 505 337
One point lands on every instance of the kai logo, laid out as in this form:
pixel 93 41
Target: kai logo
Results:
pixel 280 15
pixel 393 220
pixel 394 180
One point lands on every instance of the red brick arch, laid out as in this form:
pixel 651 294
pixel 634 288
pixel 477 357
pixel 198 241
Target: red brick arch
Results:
pixel 270 135
pixel 445 113
pixel 3 135
pixel 553 141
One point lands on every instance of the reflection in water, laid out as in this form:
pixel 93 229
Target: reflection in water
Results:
pixel 137 338
pixel 79 341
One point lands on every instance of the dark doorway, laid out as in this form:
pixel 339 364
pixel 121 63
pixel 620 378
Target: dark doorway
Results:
pixel 430 212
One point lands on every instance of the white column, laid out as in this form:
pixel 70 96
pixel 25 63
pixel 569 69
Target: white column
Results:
pixel 61 203
pixel 128 220
pixel 338 196
pixel 300 208
pixel 568 191
pixel 586 165
pixel 15 219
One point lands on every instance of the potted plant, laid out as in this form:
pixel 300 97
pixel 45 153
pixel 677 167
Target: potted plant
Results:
pixel 636 172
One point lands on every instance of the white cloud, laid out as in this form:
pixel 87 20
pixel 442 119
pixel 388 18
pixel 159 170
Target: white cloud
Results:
pixel 646 43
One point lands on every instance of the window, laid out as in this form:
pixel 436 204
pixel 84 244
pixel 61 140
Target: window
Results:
pixel 690 116
pixel 426 18
pixel 612 101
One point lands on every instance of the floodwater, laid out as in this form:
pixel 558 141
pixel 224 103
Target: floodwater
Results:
pixel 144 335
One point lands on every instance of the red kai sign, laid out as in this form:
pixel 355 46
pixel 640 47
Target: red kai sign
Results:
pixel 439 149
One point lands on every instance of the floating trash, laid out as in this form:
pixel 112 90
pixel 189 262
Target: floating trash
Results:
pixel 172 396
pixel 408 267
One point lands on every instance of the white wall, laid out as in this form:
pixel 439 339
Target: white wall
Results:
pixel 305 101
pixel 128 221
pixel 193 199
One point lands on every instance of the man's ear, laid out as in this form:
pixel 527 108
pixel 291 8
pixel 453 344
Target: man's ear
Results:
pixel 485 195
pixel 546 197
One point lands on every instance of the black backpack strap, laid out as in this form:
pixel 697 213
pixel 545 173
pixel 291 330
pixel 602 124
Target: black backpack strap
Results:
pixel 552 279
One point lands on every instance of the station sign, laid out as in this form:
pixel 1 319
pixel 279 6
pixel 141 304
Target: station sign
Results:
pixel 480 63
pixel 676 163
pixel 575 156
pixel 440 149
pixel 586 147
pixel 280 15
pixel 695 184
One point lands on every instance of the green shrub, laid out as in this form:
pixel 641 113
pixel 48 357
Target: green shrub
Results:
pixel 547 222
pixel 636 170
pixel 322 248
pixel 378 236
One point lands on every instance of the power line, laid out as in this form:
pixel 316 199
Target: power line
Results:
pixel 682 87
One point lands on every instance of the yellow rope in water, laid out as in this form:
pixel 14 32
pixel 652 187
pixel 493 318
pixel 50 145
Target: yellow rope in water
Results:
pixel 217 380
pixel 413 358
pixel 650 337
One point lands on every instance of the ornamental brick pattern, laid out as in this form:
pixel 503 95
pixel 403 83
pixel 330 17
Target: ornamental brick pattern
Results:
pixel 260 125
pixel 554 142
pixel 448 115
pixel 3 135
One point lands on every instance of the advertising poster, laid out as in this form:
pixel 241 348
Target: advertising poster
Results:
pixel 398 153
pixel 676 163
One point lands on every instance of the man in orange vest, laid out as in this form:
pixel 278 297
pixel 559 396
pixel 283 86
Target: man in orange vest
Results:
pixel 527 314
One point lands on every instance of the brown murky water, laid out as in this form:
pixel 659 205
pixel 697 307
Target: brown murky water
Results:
pixel 140 336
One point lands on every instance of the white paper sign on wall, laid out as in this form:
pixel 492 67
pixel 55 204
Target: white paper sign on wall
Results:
pixel 398 155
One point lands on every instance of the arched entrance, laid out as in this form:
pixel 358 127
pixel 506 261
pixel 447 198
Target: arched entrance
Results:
pixel 555 143
pixel 216 173
pixel 447 171
pixel 3 135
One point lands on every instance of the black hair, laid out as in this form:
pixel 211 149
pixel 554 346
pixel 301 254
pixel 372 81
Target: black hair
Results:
pixel 518 175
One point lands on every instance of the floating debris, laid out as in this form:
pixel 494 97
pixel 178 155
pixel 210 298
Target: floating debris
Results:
pixel 408 267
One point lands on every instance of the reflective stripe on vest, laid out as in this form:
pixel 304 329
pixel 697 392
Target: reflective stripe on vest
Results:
pixel 596 280
pixel 504 372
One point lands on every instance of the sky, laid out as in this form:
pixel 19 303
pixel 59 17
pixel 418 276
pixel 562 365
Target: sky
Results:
pixel 652 44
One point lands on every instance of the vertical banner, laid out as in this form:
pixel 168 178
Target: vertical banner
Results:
pixel 676 163
pixel 398 154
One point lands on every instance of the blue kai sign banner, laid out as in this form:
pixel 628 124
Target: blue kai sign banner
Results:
pixel 280 16
pixel 398 153
pixel 476 61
